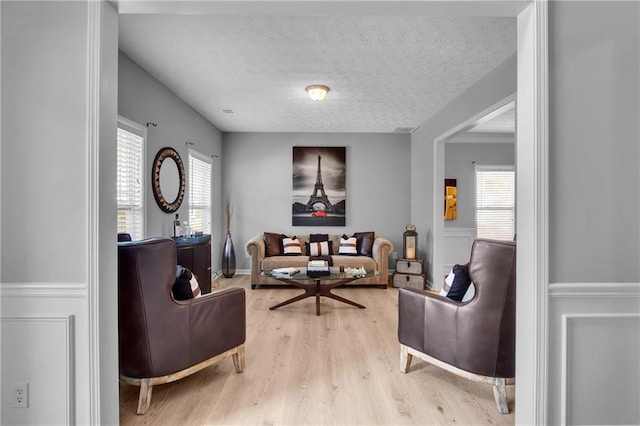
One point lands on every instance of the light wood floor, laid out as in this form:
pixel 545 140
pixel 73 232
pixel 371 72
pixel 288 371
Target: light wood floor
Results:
pixel 341 368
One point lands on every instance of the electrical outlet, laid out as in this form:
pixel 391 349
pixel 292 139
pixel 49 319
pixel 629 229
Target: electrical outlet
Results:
pixel 395 255
pixel 21 395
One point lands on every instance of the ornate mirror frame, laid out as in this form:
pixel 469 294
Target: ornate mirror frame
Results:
pixel 163 154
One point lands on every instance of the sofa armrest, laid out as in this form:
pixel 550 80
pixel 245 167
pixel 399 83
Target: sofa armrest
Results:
pixel 256 249
pixel 382 249
pixel 256 246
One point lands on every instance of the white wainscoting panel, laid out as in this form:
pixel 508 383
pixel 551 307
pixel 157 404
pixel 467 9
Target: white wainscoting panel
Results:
pixel 594 336
pixel 38 350
pixel 44 342
pixel 457 248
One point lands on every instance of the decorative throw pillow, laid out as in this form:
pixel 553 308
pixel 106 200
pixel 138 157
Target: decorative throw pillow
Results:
pixel 291 246
pixel 470 293
pixel 320 248
pixel 185 285
pixel 348 246
pixel 446 286
pixel 318 238
pixel 364 243
pixel 460 282
pixel 272 244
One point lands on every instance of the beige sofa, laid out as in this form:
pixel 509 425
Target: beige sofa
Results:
pixel 381 250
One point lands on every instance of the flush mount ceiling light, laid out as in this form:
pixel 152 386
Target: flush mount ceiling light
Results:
pixel 317 92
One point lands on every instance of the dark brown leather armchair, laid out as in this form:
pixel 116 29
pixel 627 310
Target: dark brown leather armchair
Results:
pixel 476 339
pixel 160 339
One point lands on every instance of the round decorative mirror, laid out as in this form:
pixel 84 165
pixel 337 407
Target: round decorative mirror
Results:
pixel 167 179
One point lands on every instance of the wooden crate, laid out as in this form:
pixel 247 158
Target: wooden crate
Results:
pixel 409 266
pixel 417 281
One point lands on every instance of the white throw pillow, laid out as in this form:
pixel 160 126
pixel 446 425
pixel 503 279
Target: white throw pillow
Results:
pixel 195 287
pixel 319 249
pixel 447 283
pixel 291 246
pixel 348 246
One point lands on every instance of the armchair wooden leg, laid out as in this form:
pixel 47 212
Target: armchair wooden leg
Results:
pixel 500 395
pixel 405 358
pixel 238 359
pixel 144 400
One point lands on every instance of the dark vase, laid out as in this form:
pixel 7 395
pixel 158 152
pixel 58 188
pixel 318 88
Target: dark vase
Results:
pixel 228 258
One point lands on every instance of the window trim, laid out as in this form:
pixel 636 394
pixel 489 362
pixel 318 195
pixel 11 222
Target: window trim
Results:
pixel 139 130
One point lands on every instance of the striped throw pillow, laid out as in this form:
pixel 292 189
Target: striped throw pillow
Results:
pixel 320 248
pixel 348 246
pixel 447 283
pixel 291 246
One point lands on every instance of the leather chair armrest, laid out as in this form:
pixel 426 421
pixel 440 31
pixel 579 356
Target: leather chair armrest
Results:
pixel 217 322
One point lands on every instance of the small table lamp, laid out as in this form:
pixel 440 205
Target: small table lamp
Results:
pixel 409 242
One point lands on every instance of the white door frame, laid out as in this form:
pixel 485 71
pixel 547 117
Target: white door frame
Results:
pixel 531 211
pixel 532 182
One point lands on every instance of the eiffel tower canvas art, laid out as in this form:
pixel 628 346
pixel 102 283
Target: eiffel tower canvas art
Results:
pixel 319 186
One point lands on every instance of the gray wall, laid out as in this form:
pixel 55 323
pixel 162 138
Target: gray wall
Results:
pixel 141 98
pixel 594 237
pixel 491 89
pixel 58 211
pixel 257 174
pixel 593 142
pixel 594 112
pixel 459 164
pixel 42 111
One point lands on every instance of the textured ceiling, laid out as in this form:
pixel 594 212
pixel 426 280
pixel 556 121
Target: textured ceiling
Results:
pixel 384 72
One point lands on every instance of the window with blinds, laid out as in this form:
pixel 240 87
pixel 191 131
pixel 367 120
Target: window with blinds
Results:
pixel 130 179
pixel 200 169
pixel 495 202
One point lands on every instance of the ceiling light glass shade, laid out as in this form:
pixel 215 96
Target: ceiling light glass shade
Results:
pixel 317 92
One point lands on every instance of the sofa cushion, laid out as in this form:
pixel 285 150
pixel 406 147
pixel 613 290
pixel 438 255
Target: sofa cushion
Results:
pixel 348 246
pixel 185 285
pixel 273 244
pixel 369 263
pixel 274 262
pixel 364 243
pixel 291 246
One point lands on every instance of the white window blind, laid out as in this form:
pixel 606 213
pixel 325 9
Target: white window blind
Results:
pixel 200 169
pixel 130 180
pixel 495 202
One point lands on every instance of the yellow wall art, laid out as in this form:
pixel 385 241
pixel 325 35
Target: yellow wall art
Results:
pixel 450 199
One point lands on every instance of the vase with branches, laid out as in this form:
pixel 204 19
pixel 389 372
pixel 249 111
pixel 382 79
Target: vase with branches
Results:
pixel 228 252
